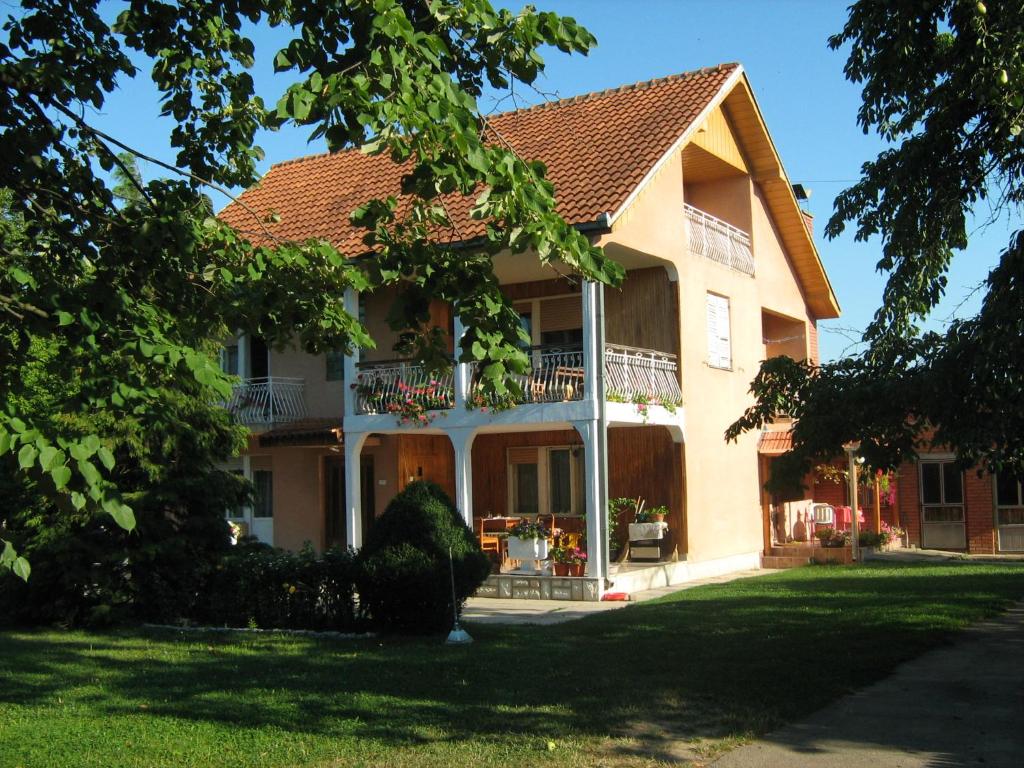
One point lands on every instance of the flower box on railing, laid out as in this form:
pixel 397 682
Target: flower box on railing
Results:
pixel 527 549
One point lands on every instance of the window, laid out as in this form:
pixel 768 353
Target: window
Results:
pixel 719 342
pixel 570 337
pixel 546 480
pixel 941 483
pixel 263 494
pixel 229 360
pixel 335 365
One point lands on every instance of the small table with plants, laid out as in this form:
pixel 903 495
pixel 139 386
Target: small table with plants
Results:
pixel 648 533
pixel 528 540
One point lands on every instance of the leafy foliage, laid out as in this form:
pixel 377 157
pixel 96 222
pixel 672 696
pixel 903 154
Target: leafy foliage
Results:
pixel 405 583
pixel 135 285
pixel 943 83
pixel 273 589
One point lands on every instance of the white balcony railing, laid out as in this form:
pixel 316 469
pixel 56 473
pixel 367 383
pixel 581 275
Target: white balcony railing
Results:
pixel 713 239
pixel 641 375
pixel 401 387
pixel 268 401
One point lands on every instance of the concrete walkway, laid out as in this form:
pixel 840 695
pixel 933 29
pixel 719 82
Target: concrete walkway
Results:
pixel 962 705
pixel 489 610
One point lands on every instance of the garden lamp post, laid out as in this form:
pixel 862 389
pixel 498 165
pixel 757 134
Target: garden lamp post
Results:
pixel 851 449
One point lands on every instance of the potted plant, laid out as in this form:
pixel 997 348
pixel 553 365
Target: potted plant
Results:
pixel 568 560
pixel 652 514
pixel 830 537
pixel 528 540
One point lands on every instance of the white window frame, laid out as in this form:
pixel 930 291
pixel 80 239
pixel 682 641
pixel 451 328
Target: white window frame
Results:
pixel 719 345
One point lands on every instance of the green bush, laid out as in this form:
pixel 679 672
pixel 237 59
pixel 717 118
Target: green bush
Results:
pixel 404 582
pixel 273 589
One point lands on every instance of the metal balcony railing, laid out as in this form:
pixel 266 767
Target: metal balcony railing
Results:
pixel 641 375
pixel 401 387
pixel 713 239
pixel 555 376
pixel 267 401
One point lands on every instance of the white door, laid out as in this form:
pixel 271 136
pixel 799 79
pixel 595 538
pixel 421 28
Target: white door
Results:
pixel 942 505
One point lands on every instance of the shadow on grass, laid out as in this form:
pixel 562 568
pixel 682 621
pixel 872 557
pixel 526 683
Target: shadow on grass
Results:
pixel 708 663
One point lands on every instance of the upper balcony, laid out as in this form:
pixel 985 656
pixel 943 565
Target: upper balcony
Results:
pixel 714 239
pixel 269 400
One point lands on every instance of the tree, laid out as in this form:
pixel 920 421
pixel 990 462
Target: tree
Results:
pixel 137 287
pixel 943 84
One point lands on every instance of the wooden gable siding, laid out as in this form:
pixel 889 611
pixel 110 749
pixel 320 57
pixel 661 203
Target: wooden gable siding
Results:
pixel 645 313
pixel 716 138
pixel 539 289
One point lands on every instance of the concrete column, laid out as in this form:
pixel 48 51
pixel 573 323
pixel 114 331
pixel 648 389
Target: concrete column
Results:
pixel 353 491
pixel 462 441
pixel 243 356
pixel 597 510
pixel 351 370
pixel 247 474
pixel 463 372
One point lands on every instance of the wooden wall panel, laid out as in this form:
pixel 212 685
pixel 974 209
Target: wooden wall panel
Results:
pixel 538 289
pixel 644 313
pixel 426 457
pixel 644 461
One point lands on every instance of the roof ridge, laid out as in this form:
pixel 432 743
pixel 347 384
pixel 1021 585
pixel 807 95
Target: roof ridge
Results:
pixel 579 98
pixel 639 85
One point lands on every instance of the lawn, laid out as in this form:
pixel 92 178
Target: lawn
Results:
pixel 709 666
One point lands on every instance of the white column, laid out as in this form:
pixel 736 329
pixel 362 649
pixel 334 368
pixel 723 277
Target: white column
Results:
pixel 351 370
pixel 462 442
pixel 463 373
pixel 592 356
pixel 353 492
pixel 596 511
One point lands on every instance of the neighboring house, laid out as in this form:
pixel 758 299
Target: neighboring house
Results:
pixel 678 179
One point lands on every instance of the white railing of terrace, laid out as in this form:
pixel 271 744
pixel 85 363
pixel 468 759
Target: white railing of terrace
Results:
pixel 641 375
pixel 401 386
pixel 556 376
pixel 713 239
pixel 269 400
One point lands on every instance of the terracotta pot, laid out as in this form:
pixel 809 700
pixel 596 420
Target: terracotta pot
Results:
pixel 560 569
pixel 576 569
pixel 657 518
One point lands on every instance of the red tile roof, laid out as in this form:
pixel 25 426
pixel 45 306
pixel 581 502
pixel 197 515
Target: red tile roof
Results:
pixel 597 148
pixel 775 443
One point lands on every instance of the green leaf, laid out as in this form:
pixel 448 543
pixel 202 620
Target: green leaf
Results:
pixel 88 470
pixel 21 568
pixel 49 457
pixel 5 442
pixel 60 475
pixel 121 513
pixel 106 457
pixel 27 456
pixel 77 500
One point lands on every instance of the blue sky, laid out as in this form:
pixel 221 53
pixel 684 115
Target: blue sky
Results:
pixel 808 105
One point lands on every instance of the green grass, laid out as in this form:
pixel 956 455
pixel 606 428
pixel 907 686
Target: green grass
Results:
pixel 707 667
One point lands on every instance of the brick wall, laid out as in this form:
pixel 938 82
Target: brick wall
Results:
pixel 978 511
pixel 812 341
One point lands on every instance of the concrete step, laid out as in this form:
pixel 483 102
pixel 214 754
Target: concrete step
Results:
pixel 779 562
pixel 794 550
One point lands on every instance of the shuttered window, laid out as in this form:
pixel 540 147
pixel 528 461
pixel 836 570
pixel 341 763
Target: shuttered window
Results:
pixel 719 342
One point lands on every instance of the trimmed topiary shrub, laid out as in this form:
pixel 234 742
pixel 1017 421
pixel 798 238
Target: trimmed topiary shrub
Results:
pixel 404 579
pixel 273 589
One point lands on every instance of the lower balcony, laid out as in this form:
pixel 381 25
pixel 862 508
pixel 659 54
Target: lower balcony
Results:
pixel 267 401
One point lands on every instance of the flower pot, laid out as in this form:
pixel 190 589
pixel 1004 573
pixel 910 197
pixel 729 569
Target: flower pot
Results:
pixel 657 518
pixel 527 549
pixel 560 569
pixel 576 569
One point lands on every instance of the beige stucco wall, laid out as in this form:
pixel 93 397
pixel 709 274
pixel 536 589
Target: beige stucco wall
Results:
pixel 323 398
pixel 722 485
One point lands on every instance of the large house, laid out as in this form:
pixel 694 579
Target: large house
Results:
pixel 678 180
